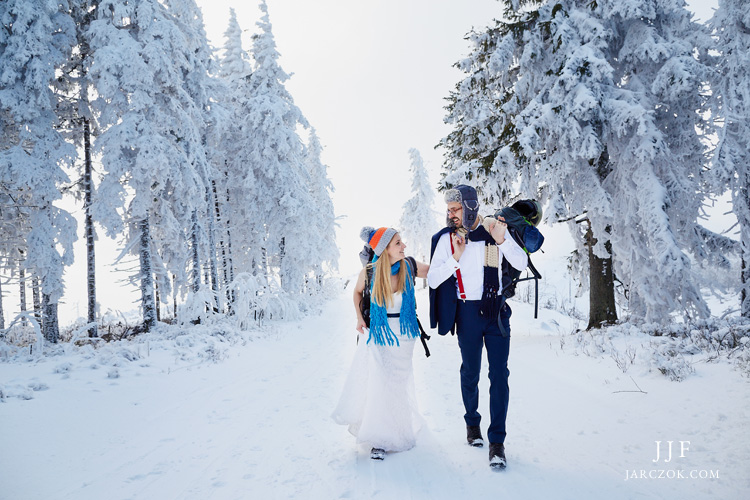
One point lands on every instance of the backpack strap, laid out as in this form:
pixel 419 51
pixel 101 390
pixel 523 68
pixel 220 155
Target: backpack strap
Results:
pixel 413 266
pixel 368 277
pixel 423 337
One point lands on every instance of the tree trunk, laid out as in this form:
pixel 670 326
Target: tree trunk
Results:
pixel 195 278
pixel 2 313
pixel 212 264
pixel 317 278
pixel 264 264
pixel 148 306
pixel 37 298
pixel 157 300
pixel 231 296
pixel 174 297
pixel 743 217
pixel 50 326
pixel 283 278
pixel 222 247
pixel 602 309
pixel 22 291
pixel 745 294
pixel 83 13
pixel 88 188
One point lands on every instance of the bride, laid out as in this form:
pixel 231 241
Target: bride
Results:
pixel 378 401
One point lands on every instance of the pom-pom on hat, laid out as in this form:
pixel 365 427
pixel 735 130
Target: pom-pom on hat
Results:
pixel 377 239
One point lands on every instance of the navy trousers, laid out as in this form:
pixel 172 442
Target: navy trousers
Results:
pixel 474 332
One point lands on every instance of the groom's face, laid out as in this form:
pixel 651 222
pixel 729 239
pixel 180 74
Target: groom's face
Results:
pixel 455 213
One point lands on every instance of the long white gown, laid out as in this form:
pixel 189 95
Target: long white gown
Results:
pixel 378 401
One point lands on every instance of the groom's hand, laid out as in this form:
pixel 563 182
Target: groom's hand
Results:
pixel 497 231
pixel 459 245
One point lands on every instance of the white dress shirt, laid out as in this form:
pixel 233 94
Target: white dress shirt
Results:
pixel 471 264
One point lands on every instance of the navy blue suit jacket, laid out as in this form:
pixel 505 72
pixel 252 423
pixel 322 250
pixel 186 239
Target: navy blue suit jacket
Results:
pixel 443 299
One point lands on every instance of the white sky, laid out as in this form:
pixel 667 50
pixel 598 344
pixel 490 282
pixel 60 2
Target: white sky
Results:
pixel 371 77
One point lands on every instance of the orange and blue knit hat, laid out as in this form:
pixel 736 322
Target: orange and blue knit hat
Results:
pixel 377 239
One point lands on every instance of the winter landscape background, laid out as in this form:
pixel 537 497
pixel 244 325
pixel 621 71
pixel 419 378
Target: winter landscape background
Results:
pixel 251 187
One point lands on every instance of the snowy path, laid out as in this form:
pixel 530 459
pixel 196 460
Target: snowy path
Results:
pixel 257 426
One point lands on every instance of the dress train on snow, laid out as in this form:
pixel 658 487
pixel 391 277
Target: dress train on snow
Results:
pixel 378 401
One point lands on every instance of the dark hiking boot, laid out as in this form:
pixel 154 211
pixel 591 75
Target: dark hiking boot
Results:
pixel 474 436
pixel 497 456
pixel 377 454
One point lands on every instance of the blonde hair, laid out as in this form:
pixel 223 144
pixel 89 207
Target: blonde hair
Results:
pixel 382 293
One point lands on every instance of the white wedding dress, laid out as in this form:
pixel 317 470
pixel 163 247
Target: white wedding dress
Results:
pixel 378 401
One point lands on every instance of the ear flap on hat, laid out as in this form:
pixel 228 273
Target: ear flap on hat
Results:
pixel 470 202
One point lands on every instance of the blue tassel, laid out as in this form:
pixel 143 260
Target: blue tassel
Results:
pixel 408 315
pixel 380 331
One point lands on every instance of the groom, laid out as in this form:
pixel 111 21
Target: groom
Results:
pixel 468 266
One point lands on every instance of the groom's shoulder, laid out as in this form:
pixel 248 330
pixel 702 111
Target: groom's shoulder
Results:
pixel 437 235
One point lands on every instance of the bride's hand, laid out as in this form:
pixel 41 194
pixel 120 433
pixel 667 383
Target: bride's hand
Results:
pixel 361 325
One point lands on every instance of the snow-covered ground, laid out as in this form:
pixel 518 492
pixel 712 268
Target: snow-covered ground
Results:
pixel 197 417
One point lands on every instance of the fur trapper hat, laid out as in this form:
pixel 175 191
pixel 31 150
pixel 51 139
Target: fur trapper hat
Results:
pixel 467 197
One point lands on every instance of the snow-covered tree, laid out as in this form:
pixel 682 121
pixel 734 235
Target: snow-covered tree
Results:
pixel 210 118
pixel 36 37
pixel 150 143
pixel 273 192
pixel 236 184
pixel 419 220
pixel 277 159
pixel 595 107
pixel 75 116
pixel 730 85
pixel 322 218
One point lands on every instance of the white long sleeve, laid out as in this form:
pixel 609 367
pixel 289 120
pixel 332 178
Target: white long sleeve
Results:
pixel 443 265
pixel 514 254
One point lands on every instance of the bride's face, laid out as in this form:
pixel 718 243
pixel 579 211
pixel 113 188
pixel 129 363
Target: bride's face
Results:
pixel 396 249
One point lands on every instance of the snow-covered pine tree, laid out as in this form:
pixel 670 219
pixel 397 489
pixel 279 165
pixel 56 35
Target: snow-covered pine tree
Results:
pixel 277 159
pixel 236 186
pixel 205 88
pixel 36 38
pixel 324 251
pixel 586 101
pixel 730 85
pixel 419 220
pixel 75 116
pixel 150 144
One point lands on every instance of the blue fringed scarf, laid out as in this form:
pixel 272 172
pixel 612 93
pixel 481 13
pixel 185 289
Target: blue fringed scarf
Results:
pixel 380 332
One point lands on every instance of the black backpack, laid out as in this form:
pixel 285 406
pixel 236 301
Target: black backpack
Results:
pixel 522 218
pixel 364 304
